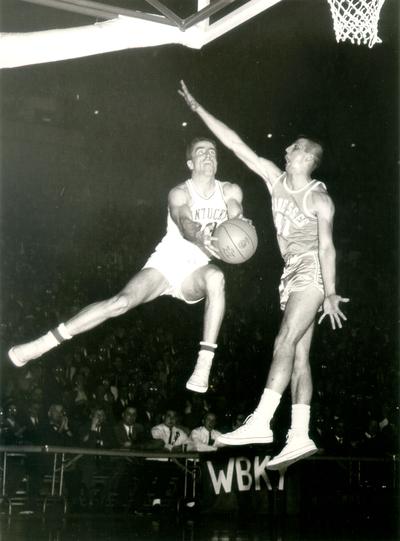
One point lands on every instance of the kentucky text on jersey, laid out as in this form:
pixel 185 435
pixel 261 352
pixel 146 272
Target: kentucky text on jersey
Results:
pixel 212 214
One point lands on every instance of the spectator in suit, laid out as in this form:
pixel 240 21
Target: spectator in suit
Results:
pixel 56 431
pixel 128 432
pixel 128 479
pixel 33 422
pixel 95 433
pixel 13 431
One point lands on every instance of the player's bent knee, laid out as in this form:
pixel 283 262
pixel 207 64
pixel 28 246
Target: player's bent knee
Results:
pixel 287 336
pixel 215 279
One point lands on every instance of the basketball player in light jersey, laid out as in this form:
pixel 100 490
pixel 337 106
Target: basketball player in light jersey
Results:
pixel 303 216
pixel 180 265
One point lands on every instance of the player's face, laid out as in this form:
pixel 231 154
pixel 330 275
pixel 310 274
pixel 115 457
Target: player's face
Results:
pixel 298 155
pixel 204 158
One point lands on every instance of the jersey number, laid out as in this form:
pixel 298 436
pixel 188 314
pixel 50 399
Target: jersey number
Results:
pixel 282 225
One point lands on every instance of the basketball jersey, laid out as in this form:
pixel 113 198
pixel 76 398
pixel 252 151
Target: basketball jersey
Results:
pixel 296 227
pixel 204 210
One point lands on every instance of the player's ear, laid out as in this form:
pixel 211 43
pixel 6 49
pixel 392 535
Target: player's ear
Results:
pixel 190 164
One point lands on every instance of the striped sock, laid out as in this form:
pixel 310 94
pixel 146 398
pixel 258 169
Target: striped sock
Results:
pixel 207 351
pixel 60 333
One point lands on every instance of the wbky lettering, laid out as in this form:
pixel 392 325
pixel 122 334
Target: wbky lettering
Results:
pixel 247 474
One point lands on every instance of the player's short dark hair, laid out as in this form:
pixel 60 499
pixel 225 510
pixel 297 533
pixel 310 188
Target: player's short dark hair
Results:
pixel 317 148
pixel 193 142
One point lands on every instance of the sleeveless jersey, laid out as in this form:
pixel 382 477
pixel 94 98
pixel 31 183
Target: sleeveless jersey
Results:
pixel 210 210
pixel 296 226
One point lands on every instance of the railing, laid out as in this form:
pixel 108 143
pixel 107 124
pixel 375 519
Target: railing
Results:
pixel 356 467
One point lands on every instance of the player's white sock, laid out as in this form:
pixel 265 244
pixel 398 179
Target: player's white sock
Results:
pixel 55 337
pixel 300 419
pixel 198 381
pixel 268 403
pixel 61 333
pixel 206 354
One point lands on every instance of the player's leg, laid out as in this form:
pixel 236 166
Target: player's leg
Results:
pixel 299 445
pixel 145 286
pixel 298 316
pixel 207 282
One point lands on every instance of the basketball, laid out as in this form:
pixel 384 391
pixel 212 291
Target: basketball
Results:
pixel 236 240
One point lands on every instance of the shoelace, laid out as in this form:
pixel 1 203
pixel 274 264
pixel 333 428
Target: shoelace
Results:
pixel 248 418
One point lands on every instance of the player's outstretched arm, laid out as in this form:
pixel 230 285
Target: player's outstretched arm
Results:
pixel 325 211
pixel 267 170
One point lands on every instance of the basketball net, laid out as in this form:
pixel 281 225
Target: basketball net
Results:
pixel 356 20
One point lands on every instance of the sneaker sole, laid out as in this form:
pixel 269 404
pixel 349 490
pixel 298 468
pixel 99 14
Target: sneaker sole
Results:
pixel 289 458
pixel 196 388
pixel 14 359
pixel 245 441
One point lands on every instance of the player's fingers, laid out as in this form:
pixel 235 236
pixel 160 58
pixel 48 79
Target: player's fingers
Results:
pixel 321 318
pixel 332 322
pixel 184 88
pixel 344 299
pixel 342 315
pixel 338 322
pixel 214 253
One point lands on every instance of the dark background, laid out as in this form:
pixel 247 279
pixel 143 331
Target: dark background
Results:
pixel 90 148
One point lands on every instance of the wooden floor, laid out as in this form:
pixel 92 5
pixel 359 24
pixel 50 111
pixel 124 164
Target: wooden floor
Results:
pixel 125 527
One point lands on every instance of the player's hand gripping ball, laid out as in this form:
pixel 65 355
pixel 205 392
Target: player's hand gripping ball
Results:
pixel 236 240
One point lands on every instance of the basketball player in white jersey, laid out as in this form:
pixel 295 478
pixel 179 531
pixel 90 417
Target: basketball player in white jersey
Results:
pixel 303 216
pixel 180 265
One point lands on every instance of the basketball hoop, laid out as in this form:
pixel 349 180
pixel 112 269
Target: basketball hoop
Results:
pixel 356 20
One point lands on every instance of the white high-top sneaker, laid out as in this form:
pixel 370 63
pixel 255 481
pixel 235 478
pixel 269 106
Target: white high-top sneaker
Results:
pixel 22 354
pixel 198 381
pixel 297 446
pixel 254 430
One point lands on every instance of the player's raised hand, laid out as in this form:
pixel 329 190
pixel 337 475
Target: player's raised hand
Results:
pixel 332 309
pixel 187 96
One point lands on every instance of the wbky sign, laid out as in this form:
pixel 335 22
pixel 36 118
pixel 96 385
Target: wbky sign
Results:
pixel 236 482
pixel 239 473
